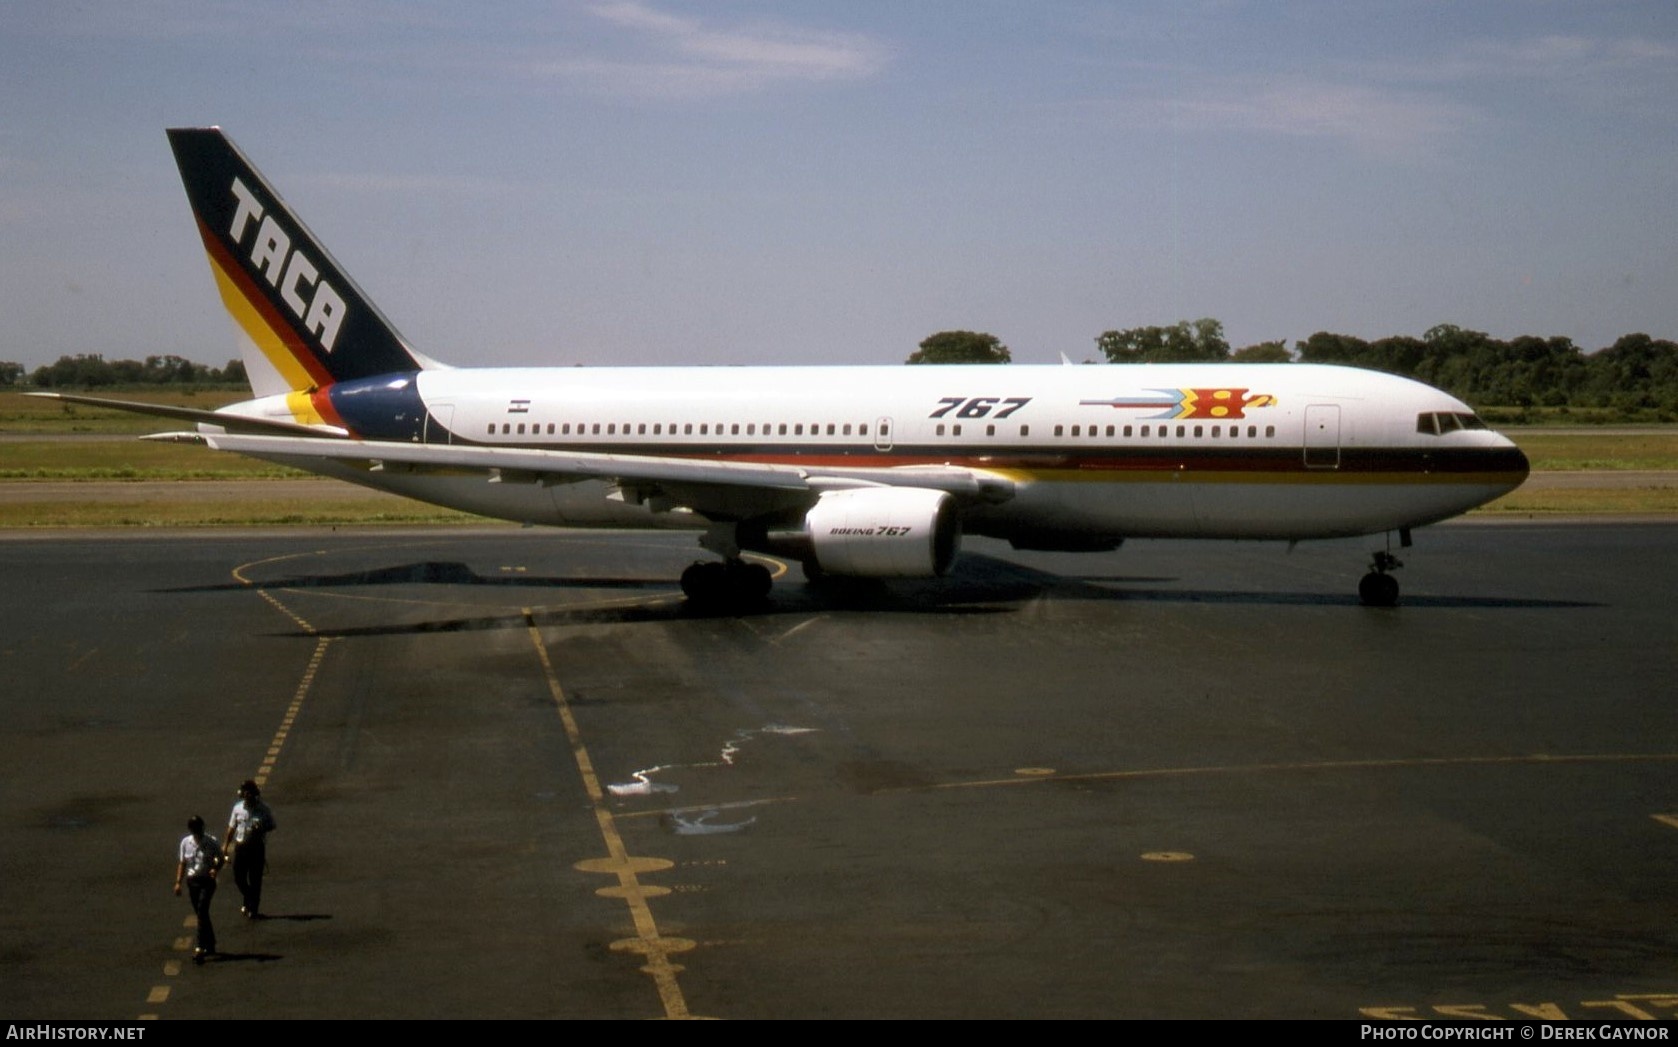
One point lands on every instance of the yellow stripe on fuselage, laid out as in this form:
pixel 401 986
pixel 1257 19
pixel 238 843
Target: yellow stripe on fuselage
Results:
pixel 266 339
pixel 302 408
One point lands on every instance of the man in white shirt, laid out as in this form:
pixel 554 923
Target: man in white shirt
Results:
pixel 200 857
pixel 247 835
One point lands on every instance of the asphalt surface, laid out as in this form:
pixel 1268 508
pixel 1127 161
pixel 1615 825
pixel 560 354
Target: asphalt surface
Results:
pixel 515 777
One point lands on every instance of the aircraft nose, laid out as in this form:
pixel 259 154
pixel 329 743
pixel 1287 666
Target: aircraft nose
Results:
pixel 1513 461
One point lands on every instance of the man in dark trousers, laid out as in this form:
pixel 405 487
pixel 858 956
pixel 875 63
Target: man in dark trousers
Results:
pixel 200 857
pixel 247 834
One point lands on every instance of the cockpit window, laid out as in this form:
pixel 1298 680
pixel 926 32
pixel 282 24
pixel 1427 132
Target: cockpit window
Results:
pixel 1435 423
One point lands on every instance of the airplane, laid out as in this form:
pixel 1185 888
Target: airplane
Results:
pixel 858 471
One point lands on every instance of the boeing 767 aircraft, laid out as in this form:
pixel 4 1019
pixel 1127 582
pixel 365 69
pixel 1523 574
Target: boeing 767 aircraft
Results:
pixel 870 472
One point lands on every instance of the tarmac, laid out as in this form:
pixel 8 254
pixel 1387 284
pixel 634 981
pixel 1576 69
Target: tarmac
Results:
pixel 516 777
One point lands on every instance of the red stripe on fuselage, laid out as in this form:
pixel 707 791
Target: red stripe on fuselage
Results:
pixel 321 399
pixel 1257 461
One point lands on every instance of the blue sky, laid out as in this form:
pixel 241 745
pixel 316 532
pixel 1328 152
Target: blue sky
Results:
pixel 662 182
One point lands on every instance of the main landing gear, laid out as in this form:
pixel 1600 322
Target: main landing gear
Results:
pixel 1379 588
pixel 730 582
pixel 715 583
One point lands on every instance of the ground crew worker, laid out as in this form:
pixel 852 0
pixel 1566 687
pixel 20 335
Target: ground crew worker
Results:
pixel 200 857
pixel 248 827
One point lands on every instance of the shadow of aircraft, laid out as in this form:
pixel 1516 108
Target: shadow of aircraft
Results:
pixel 980 584
pixel 426 572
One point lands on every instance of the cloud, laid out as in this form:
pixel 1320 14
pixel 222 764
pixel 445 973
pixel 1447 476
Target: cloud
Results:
pixel 1410 107
pixel 1557 57
pixel 1372 118
pixel 678 56
pixel 1592 74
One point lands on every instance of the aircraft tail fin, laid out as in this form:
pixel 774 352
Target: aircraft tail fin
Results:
pixel 305 324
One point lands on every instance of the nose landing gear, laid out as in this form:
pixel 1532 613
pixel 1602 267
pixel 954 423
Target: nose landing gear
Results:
pixel 1378 588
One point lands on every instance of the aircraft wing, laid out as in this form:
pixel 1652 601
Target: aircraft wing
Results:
pixel 715 488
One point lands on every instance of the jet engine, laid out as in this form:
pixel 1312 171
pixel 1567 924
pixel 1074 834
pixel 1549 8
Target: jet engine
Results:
pixel 884 532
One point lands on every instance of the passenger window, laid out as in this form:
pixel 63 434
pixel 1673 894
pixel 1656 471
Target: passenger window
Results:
pixel 1025 430
pixel 1060 430
pixel 956 429
pixel 940 430
pixel 1197 431
pixel 990 430
pixel 1269 430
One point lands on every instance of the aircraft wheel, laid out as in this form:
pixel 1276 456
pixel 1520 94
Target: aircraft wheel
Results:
pixel 1378 590
pixel 705 581
pixel 750 581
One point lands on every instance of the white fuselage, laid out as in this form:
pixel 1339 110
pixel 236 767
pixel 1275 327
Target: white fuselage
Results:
pixel 1282 451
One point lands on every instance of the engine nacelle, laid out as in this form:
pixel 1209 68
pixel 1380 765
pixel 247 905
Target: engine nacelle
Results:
pixel 884 532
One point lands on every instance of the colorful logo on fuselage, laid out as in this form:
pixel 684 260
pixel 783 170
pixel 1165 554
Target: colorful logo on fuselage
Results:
pixel 1189 403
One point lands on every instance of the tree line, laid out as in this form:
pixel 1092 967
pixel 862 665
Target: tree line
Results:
pixel 93 370
pixel 1636 377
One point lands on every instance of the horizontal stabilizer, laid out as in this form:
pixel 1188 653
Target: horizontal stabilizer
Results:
pixel 229 422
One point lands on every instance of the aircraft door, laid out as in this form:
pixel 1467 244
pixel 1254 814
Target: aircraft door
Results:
pixel 882 434
pixel 439 422
pixel 1322 436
